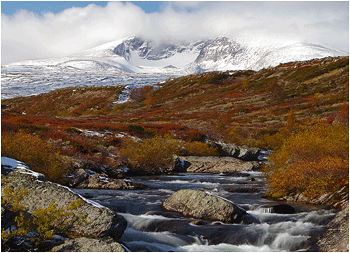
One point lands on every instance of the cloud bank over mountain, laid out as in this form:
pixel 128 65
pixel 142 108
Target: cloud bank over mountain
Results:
pixel 26 35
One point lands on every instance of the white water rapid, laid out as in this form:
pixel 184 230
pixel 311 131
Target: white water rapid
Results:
pixel 152 229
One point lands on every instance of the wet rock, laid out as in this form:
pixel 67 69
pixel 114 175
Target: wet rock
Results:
pixel 101 181
pixel 240 152
pixel 283 209
pixel 236 174
pixel 199 222
pixel 180 165
pixel 336 236
pixel 201 205
pixel 214 164
pixel 243 190
pixel 338 199
pixel 89 245
pixel 99 221
pixel 79 176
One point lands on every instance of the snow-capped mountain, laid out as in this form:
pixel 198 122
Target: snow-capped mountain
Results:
pixel 121 62
pixel 135 55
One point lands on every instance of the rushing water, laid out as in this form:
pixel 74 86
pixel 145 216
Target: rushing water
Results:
pixel 152 229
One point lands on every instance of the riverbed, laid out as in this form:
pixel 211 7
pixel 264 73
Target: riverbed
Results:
pixel 150 228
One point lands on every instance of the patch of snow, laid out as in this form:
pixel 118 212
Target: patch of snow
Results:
pixel 91 133
pixel 84 199
pixel 12 164
pixel 90 172
pixel 104 179
pixel 92 202
pixel 125 169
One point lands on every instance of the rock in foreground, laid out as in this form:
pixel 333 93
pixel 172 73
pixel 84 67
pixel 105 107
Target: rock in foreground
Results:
pixel 336 236
pixel 100 221
pixel 89 245
pixel 202 205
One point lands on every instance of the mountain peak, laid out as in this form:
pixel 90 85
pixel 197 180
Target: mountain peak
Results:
pixel 135 54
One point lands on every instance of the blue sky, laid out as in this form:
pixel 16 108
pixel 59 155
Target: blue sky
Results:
pixel 10 7
pixel 45 29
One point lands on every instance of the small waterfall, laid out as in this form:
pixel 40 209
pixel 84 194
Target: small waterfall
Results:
pixel 152 229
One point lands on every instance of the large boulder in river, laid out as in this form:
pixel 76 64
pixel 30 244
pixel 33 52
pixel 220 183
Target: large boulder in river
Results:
pixel 202 205
pixel 99 221
pixel 240 152
pixel 215 164
pixel 89 245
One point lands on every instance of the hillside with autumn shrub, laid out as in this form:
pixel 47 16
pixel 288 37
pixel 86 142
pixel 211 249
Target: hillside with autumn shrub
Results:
pixel 299 110
pixel 313 161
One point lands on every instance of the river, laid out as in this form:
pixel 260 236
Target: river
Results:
pixel 152 229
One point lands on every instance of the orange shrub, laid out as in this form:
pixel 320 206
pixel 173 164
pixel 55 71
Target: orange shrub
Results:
pixel 151 155
pixel 314 161
pixel 36 153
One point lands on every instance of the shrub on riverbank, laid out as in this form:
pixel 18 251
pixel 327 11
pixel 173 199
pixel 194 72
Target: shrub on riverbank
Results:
pixel 313 161
pixel 150 155
pixel 36 153
pixel 197 148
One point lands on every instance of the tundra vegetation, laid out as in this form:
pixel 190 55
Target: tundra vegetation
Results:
pixel 299 110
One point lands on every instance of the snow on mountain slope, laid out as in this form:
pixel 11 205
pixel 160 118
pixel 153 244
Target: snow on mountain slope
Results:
pixel 226 54
pixel 121 62
pixel 135 55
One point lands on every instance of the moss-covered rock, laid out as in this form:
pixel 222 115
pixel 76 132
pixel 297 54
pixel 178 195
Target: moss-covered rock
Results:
pixel 99 221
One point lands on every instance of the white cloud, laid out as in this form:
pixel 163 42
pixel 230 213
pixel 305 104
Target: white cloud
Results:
pixel 26 35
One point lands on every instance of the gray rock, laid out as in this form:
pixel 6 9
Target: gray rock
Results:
pixel 240 152
pixel 101 181
pixel 215 164
pixel 201 205
pixel 283 209
pixel 89 245
pixel 336 236
pixel 100 221
pixel 79 176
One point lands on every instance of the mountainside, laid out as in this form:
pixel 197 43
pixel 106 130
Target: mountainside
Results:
pixel 215 103
pixel 136 55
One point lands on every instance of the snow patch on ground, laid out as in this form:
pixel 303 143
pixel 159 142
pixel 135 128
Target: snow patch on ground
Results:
pixel 12 164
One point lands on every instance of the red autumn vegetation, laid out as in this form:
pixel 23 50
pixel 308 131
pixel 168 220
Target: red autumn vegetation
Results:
pixel 269 109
